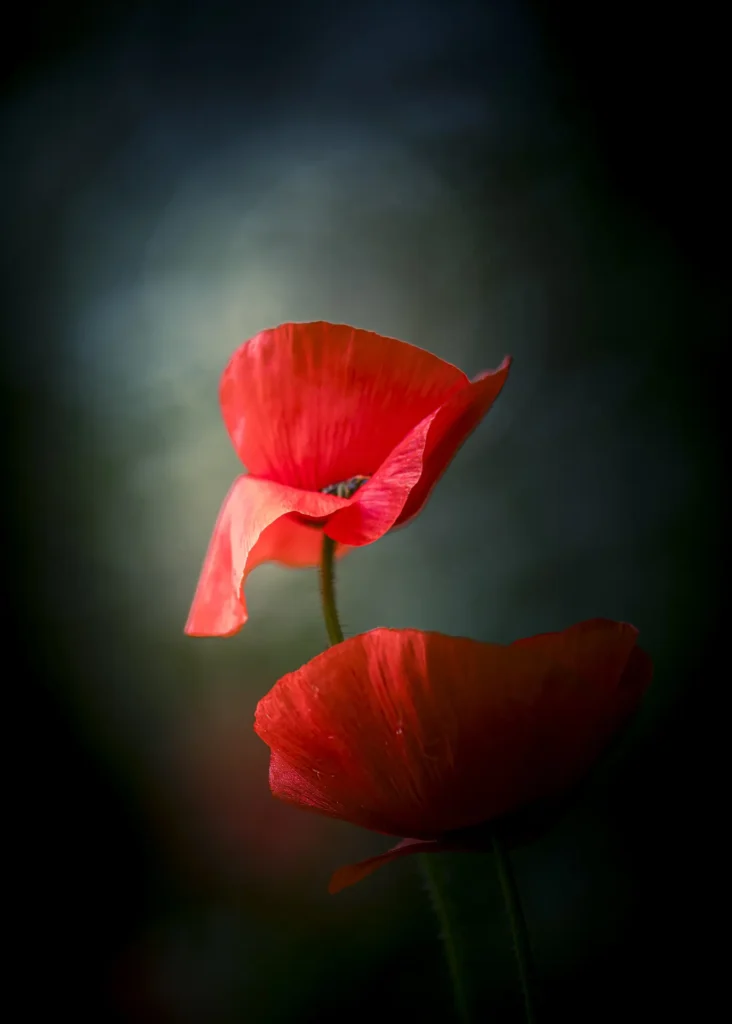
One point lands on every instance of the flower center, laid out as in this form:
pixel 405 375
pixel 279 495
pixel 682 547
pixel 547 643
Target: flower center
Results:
pixel 346 488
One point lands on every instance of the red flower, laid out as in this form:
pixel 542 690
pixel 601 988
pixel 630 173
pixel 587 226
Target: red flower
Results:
pixel 342 431
pixel 427 736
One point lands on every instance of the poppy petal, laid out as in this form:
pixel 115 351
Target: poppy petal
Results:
pixel 254 526
pixel 456 420
pixel 349 874
pixel 515 830
pixel 378 505
pixel 477 840
pixel 419 734
pixel 400 487
pixel 585 643
pixel 313 404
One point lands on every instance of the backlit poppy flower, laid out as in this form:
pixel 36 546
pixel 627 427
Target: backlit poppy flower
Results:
pixel 342 431
pixel 432 737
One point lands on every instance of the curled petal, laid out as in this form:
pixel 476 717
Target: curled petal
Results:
pixel 514 830
pixel 403 482
pixel 313 404
pixel 454 422
pixel 255 525
pixel 419 734
pixel 352 873
pixel 378 505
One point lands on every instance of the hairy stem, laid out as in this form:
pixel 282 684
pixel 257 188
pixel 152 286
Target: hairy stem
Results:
pixel 516 920
pixel 438 896
pixel 327 591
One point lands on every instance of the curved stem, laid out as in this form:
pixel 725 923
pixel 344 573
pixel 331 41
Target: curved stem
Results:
pixel 441 906
pixel 327 591
pixel 518 926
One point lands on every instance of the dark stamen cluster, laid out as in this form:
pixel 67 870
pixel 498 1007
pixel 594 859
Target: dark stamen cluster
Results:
pixel 346 488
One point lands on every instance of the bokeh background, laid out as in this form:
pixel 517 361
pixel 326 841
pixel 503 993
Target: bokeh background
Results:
pixel 478 179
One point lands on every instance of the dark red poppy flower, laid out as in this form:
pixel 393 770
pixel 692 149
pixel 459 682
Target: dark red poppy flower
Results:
pixel 342 431
pixel 430 736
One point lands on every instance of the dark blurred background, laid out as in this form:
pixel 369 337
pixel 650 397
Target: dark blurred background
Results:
pixel 478 179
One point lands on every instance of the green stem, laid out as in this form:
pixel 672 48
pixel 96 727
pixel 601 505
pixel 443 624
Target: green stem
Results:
pixel 518 926
pixel 438 896
pixel 327 591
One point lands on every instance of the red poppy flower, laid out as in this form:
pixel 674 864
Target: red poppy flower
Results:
pixel 431 737
pixel 342 431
